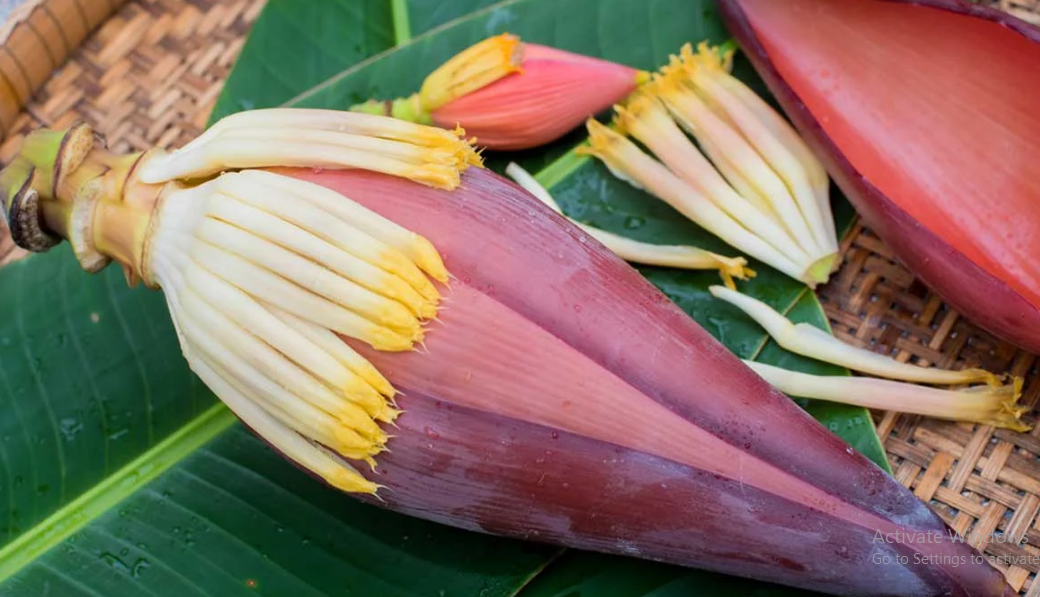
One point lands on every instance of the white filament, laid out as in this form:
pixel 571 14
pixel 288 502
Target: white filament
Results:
pixel 316 138
pixel 678 256
pixel 807 340
pixel 260 279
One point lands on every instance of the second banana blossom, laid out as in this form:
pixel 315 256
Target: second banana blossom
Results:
pixel 513 95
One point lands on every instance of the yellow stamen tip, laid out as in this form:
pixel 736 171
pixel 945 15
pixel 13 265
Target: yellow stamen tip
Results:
pixel 473 68
pixel 435 175
pixel 640 103
pixel 351 481
pixel 428 311
pixel 388 414
pixel 601 137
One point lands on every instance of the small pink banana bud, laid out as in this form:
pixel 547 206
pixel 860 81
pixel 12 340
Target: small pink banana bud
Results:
pixel 514 95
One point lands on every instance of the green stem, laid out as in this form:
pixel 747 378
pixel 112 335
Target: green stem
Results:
pixel 730 45
pixel 561 168
pixel 402 28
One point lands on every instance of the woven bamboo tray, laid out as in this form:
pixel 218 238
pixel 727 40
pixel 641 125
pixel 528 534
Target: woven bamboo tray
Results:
pixel 151 71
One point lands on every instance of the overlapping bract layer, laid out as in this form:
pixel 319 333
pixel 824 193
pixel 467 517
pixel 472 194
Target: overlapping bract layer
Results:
pixel 566 399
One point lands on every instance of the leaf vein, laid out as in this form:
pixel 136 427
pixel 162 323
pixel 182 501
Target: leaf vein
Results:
pixel 64 291
pixel 234 538
pixel 136 352
pixel 41 388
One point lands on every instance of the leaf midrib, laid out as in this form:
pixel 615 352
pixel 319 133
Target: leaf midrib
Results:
pixel 113 489
pixel 412 40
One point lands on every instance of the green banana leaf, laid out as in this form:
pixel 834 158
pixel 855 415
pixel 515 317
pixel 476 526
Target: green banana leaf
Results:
pixel 120 474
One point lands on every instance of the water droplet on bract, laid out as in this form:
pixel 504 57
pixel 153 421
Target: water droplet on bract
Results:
pixel 555 434
pixel 176 530
pixel 125 552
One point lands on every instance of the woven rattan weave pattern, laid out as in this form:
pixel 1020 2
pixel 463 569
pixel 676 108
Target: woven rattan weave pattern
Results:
pixel 150 74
